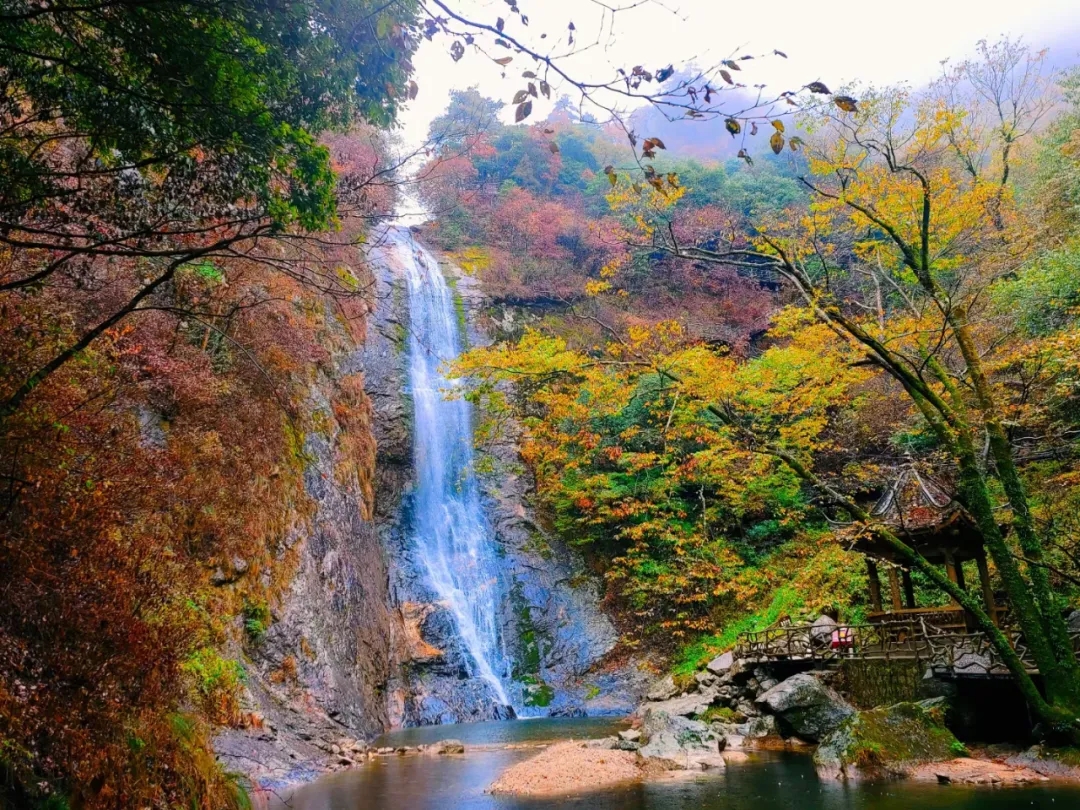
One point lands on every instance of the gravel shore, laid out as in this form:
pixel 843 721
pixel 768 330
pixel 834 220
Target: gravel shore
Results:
pixel 568 767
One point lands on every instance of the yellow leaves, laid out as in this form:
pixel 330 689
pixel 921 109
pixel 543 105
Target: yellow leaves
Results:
pixel 472 260
pixel 594 288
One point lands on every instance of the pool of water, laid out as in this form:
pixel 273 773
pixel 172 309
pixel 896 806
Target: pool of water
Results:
pixel 500 732
pixel 765 781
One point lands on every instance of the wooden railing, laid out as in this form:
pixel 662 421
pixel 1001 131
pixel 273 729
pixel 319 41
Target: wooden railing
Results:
pixel 946 651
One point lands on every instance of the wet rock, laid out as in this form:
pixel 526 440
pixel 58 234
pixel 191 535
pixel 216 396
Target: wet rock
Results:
pixel 1056 763
pixel 676 743
pixel 806 707
pixel 721 664
pixel 886 742
pixel 447 747
pixel 604 743
pixel 760 727
pixel 568 711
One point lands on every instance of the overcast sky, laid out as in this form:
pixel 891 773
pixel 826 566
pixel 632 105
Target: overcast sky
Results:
pixel 836 42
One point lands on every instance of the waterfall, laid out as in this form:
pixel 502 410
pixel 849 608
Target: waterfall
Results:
pixel 450 533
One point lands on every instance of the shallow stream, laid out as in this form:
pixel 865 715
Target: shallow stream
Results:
pixel 765 781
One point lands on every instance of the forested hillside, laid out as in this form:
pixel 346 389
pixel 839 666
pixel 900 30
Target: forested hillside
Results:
pixel 728 364
pixel 178 273
pixel 727 353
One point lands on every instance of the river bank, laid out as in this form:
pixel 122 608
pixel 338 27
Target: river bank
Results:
pixel 751 780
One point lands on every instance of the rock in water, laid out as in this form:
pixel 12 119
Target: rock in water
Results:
pixel 447 747
pixel 568 711
pixel 806 706
pixel 676 743
pixel 887 741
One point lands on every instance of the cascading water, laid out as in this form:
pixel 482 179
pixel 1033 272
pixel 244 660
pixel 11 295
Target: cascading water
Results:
pixel 450 532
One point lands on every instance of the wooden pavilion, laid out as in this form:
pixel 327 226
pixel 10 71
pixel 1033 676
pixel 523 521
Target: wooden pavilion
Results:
pixel 922 513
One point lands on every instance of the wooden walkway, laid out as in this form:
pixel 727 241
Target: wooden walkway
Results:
pixel 949 653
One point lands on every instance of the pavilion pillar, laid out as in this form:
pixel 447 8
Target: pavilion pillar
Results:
pixel 909 589
pixel 987 590
pixel 875 585
pixel 894 588
pixel 951 570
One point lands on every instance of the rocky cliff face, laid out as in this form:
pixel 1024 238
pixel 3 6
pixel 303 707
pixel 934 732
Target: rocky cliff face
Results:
pixel 358 644
pixel 550 614
pixel 321 672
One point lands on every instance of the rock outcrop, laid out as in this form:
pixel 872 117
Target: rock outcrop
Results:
pixel 549 612
pixel 674 742
pixel 806 707
pixel 888 741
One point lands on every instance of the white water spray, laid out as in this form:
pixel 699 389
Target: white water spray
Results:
pixel 451 534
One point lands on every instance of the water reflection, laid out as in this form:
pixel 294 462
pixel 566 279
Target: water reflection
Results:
pixel 503 731
pixel 765 782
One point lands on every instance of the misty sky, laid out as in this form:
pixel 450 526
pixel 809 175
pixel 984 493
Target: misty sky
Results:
pixel 836 42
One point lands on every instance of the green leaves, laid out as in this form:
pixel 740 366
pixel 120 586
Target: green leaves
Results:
pixel 158 83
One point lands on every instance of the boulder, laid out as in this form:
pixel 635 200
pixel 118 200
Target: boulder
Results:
pixel 705 678
pixel 764 726
pixel 686 705
pixel 604 743
pixel 447 747
pixel 766 684
pixel 822 629
pixel 662 689
pixel 630 735
pixel 746 708
pixel 806 707
pixel 887 742
pixel 676 743
pixel 721 664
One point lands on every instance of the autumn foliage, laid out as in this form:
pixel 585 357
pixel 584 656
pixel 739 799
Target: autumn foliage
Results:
pixel 160 464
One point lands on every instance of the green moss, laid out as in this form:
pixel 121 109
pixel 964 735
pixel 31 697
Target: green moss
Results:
pixel 256 620
pixel 538 544
pixel 697 654
pixel 530 654
pixel 886 737
pixel 537 694
pixel 322 423
pixel 592 692
pixel 719 713
pixel 211 674
pixel 294 445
